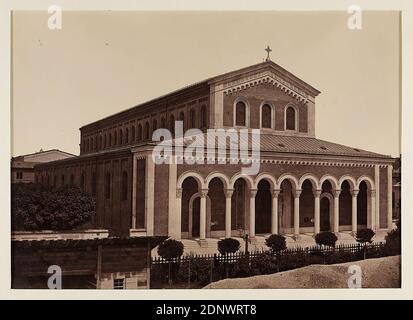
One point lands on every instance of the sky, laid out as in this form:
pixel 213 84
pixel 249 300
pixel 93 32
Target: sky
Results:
pixel 100 63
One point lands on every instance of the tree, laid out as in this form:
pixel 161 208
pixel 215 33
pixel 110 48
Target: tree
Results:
pixel 365 236
pixel 326 239
pixel 34 207
pixel 276 243
pixel 228 245
pixel 393 240
pixel 170 249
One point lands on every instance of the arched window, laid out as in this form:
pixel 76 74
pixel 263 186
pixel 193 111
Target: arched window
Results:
pixel 139 132
pixel 82 182
pixel 63 179
pixel 163 123
pixel 55 181
pixel 120 136
pixel 100 141
pixel 192 118
pixel 154 125
pixel 290 118
pixel 115 138
pixel 93 183
pixel 203 117
pixel 104 140
pixel 124 185
pixel 266 116
pixel 146 130
pixel 107 185
pixel 110 139
pixel 127 135
pixel 133 137
pixel 172 123
pixel 240 114
pixel 72 180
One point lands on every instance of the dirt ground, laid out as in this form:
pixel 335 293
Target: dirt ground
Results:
pixel 376 273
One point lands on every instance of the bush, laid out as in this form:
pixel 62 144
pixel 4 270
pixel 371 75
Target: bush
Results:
pixel 326 238
pixel 34 207
pixel 276 242
pixel 393 241
pixel 228 245
pixel 365 236
pixel 171 249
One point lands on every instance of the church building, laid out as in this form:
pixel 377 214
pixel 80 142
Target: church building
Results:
pixel 304 185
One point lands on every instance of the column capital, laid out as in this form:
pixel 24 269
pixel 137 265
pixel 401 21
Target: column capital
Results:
pixel 253 193
pixel 317 193
pixel 372 193
pixel 275 193
pixel 355 192
pixel 336 193
pixel 203 193
pixel 179 193
pixel 228 193
pixel 297 193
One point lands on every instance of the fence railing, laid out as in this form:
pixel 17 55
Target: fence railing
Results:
pixel 205 268
pixel 233 257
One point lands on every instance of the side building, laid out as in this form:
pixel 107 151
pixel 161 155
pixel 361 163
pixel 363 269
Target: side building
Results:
pixel 22 167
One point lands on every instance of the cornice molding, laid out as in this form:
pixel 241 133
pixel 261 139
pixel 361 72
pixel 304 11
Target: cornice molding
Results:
pixel 266 77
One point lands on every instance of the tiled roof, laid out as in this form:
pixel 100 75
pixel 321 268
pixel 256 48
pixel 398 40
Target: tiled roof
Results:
pixel 270 142
pixel 295 144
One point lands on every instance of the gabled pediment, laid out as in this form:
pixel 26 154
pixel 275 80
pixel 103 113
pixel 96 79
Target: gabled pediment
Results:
pixel 266 73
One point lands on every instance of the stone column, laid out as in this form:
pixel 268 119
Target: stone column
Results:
pixel 202 214
pixel 297 213
pixel 274 213
pixel 178 205
pixel 252 212
pixel 228 198
pixel 336 210
pixel 354 194
pixel 317 194
pixel 390 197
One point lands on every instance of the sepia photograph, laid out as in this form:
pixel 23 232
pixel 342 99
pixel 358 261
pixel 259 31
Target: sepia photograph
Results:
pixel 205 149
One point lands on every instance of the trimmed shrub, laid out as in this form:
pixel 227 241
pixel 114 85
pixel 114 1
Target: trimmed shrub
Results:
pixel 276 242
pixel 35 207
pixel 228 245
pixel 326 239
pixel 171 249
pixel 365 236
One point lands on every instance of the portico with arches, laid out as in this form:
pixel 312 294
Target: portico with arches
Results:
pixel 270 203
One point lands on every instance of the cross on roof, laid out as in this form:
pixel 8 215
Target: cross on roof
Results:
pixel 268 49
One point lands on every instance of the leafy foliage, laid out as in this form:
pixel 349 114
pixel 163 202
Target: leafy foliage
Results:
pixel 228 245
pixel 171 249
pixel 276 242
pixel 34 207
pixel 326 238
pixel 365 236
pixel 393 241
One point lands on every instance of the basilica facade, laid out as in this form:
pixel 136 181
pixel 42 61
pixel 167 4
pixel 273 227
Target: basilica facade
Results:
pixel 304 184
